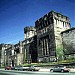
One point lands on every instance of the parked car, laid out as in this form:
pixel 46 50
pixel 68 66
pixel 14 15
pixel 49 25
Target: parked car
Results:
pixel 8 68
pixel 60 68
pixel 32 68
pixel 12 68
pixel 17 68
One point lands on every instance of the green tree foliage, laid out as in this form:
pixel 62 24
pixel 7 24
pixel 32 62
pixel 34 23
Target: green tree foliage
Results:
pixel 60 54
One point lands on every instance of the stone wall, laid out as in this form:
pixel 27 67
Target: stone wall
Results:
pixel 68 39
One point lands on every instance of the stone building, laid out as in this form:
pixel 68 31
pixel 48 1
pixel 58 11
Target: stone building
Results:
pixel 68 40
pixel 40 43
pixel 48 30
pixel 14 54
pixel 19 49
pixel 30 46
pixel 2 53
pixel 23 52
pixel 9 56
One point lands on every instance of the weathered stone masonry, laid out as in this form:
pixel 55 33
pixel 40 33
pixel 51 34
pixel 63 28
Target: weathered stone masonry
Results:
pixel 49 39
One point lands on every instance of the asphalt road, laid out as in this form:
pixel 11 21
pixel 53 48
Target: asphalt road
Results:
pixel 9 72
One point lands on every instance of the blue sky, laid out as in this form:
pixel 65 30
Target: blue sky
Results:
pixel 16 14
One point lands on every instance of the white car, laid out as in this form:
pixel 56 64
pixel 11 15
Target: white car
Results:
pixel 33 68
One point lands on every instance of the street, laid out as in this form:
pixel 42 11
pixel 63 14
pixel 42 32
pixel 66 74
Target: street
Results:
pixel 12 72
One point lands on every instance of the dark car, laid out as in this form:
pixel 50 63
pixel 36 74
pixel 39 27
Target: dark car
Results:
pixel 17 68
pixel 60 68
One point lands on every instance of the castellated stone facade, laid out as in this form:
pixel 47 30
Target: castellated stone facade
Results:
pixel 29 32
pixel 30 47
pixel 48 30
pixel 40 43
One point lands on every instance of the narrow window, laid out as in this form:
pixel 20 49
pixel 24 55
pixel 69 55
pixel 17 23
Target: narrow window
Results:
pixel 63 24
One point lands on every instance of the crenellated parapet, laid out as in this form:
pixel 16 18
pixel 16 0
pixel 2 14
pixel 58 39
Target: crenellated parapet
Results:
pixel 29 32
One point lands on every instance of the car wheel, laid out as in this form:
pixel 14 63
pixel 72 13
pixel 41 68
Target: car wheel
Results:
pixel 62 71
pixel 51 70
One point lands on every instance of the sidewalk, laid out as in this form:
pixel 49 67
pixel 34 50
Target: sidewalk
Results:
pixel 45 70
pixel 72 70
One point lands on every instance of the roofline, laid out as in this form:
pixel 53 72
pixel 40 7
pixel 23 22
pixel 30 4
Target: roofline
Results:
pixel 68 30
pixel 52 11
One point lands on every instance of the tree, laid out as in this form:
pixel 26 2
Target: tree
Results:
pixel 59 52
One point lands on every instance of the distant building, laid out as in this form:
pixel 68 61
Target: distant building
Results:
pixel 3 53
pixel 23 52
pixel 15 54
pixel 30 46
pixel 68 40
pixel 19 49
pixel 48 30
pixel 9 56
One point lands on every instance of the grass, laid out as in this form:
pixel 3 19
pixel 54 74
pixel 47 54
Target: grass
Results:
pixel 49 63
pixel 39 64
